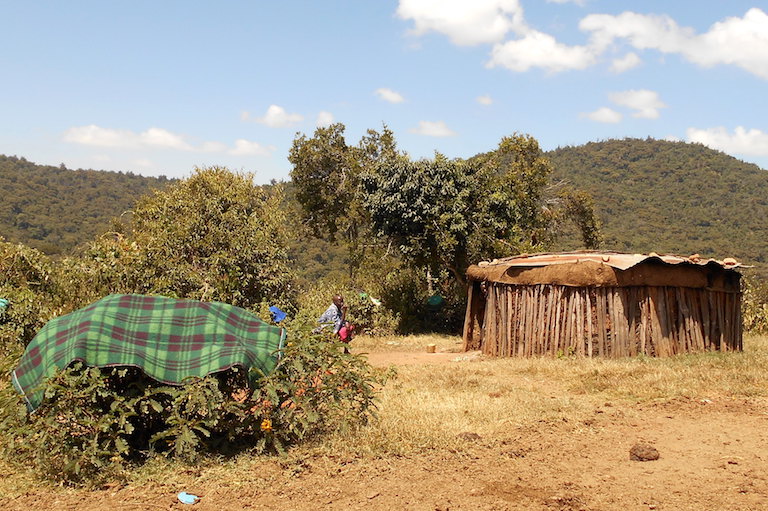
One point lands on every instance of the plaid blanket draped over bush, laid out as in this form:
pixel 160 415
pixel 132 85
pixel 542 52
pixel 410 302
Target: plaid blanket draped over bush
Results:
pixel 169 339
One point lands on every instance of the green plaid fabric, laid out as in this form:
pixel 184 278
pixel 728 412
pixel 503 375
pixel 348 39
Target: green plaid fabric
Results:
pixel 169 339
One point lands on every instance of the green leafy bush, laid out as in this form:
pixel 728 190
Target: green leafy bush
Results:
pixel 407 295
pixel 95 423
pixel 363 312
pixel 214 237
pixel 28 280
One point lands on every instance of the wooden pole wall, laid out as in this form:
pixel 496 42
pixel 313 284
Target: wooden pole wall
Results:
pixel 553 320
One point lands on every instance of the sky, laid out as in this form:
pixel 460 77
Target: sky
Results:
pixel 161 87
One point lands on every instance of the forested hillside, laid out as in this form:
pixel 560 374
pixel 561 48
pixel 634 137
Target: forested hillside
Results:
pixel 54 209
pixel 660 196
pixel 651 195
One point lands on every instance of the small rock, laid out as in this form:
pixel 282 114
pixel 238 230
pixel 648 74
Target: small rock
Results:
pixel 469 436
pixel 643 452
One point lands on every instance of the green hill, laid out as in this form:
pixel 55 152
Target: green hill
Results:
pixel 55 209
pixel 659 196
pixel 651 195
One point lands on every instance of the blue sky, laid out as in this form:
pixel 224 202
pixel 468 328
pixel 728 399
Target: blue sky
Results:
pixel 159 87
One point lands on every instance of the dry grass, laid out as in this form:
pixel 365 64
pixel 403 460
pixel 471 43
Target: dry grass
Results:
pixel 426 406
pixel 443 343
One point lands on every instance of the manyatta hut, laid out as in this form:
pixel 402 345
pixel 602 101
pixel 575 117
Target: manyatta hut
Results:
pixel 602 304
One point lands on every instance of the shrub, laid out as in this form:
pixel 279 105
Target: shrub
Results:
pixel 214 237
pixel 30 284
pixel 408 296
pixel 94 423
pixel 755 304
pixel 368 317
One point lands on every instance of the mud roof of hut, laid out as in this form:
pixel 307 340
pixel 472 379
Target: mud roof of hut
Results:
pixel 603 268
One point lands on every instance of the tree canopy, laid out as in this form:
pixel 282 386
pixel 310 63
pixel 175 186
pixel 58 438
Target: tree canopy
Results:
pixel 213 236
pixel 442 214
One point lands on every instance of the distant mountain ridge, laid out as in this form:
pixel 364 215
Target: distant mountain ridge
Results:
pixel 54 209
pixel 651 195
pixel 661 196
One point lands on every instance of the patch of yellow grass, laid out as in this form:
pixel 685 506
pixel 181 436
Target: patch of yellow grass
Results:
pixel 410 343
pixel 426 407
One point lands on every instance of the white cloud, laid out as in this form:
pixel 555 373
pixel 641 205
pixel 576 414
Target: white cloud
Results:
pixel 465 23
pixel 646 103
pixel 738 41
pixel 742 42
pixel 389 95
pixel 751 142
pixel 580 3
pixel 485 100
pixel 247 148
pixel 156 138
pixel 644 31
pixel 277 117
pixel 324 119
pixel 604 114
pixel 93 135
pixel 101 137
pixel 538 49
pixel 625 63
pixel 433 129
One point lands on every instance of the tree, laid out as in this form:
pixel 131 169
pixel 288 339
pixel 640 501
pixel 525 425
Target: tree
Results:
pixel 213 236
pixel 579 206
pixel 326 175
pixel 440 214
pixel 423 207
pixel 447 214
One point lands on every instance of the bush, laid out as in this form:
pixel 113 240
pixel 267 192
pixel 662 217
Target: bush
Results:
pixel 30 284
pixel 407 295
pixel 94 423
pixel 754 306
pixel 213 237
pixel 367 317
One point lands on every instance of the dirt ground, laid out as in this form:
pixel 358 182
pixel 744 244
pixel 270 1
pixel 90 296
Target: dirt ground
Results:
pixel 713 456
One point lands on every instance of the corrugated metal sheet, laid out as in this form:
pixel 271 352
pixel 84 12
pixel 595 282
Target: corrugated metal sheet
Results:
pixel 617 260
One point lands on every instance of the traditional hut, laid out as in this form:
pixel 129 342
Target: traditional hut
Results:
pixel 603 304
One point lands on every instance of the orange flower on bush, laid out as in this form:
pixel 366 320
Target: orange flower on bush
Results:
pixel 266 425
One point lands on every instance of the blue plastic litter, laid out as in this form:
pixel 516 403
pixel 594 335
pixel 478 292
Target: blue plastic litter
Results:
pixel 277 314
pixel 187 498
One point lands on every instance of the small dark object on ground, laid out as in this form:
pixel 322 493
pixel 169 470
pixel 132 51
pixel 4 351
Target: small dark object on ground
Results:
pixel 469 436
pixel 643 452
